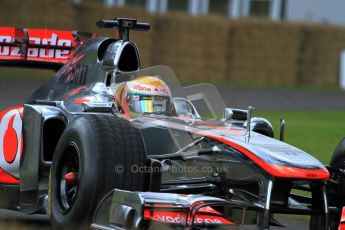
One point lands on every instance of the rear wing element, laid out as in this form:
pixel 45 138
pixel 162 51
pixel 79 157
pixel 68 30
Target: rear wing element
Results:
pixel 30 46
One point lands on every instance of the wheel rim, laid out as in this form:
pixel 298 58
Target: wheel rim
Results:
pixel 67 178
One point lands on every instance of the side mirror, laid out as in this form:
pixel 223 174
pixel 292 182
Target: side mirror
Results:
pixel 228 113
pixel 235 114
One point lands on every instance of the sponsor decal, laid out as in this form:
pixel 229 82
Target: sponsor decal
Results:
pixel 180 218
pixel 147 89
pixel 11 143
pixel 161 90
pixel 36 37
pixel 142 88
pixel 42 45
pixel 172 218
pixel 7 36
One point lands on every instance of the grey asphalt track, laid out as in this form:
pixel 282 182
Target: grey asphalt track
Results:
pixel 10 220
pixel 284 99
pixel 15 91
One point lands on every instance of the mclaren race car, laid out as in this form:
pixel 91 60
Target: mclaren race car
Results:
pixel 105 144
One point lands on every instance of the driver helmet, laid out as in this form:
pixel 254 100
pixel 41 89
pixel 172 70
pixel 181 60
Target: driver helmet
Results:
pixel 144 95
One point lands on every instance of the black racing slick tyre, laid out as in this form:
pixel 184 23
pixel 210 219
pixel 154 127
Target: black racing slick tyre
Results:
pixel 338 157
pixel 94 155
pixel 336 195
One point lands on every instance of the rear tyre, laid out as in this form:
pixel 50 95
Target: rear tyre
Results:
pixel 94 155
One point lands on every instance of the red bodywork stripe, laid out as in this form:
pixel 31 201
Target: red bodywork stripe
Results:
pixel 277 170
pixel 80 101
pixel 6 178
pixel 342 220
pixel 209 210
pixel 20 108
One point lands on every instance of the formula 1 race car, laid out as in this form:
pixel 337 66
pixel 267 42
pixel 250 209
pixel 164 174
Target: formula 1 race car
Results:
pixel 108 145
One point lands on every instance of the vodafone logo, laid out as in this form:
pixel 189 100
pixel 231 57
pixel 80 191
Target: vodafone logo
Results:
pixel 142 88
pixel 182 220
pixel 149 90
pixel 11 142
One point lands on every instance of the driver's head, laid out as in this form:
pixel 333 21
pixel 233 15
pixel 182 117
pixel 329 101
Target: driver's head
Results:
pixel 144 95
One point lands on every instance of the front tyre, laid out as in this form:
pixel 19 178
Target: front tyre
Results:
pixel 94 155
pixel 336 195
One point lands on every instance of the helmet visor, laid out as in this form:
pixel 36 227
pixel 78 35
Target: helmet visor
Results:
pixel 148 104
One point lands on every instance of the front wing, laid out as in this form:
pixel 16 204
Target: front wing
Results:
pixel 149 210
